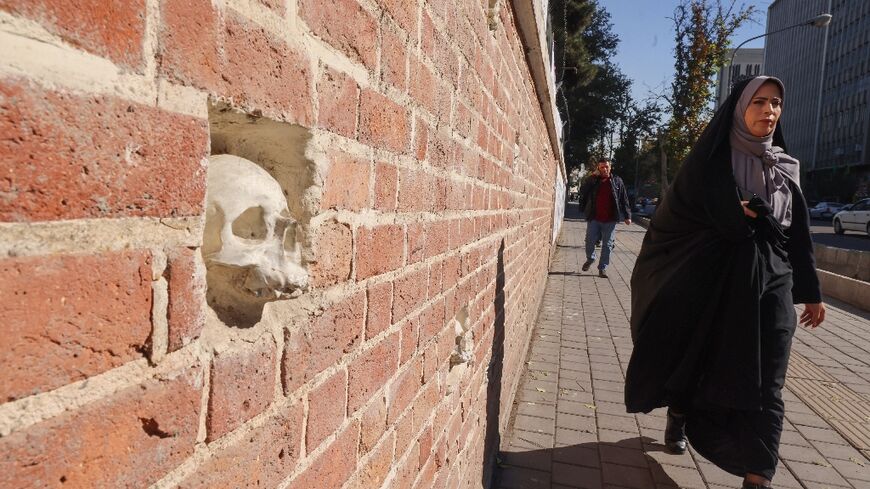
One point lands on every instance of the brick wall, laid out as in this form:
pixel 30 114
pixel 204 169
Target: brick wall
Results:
pixel 432 193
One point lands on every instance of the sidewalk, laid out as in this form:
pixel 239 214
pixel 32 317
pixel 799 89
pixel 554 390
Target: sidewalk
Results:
pixel 569 427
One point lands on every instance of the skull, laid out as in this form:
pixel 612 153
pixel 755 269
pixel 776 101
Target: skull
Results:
pixel 248 229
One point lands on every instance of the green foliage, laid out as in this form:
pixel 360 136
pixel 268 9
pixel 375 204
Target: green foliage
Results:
pixel 702 31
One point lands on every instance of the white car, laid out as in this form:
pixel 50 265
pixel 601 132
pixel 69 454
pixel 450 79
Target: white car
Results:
pixel 825 210
pixel 853 218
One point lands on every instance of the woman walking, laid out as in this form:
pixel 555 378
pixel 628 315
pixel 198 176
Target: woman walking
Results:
pixel 726 256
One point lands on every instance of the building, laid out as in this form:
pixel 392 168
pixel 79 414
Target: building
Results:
pixel 269 243
pixel 826 73
pixel 747 62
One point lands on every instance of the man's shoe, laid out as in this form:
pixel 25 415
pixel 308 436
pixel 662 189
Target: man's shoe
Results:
pixel 587 265
pixel 602 274
pixel 675 433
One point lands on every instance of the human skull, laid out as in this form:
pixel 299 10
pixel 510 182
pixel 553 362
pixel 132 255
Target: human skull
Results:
pixel 248 228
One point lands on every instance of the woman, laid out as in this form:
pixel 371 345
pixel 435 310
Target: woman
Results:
pixel 726 256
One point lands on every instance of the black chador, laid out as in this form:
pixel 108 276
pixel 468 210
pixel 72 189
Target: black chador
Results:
pixel 712 305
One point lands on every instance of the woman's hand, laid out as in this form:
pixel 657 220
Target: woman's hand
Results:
pixel 746 210
pixel 813 315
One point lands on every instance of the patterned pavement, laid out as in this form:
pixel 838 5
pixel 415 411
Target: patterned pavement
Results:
pixel 569 428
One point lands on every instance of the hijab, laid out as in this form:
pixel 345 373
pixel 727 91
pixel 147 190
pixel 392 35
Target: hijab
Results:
pixel 760 167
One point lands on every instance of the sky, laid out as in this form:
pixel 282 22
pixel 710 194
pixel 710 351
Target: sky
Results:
pixel 646 47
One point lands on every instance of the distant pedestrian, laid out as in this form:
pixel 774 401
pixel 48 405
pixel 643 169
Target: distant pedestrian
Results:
pixel 604 200
pixel 727 255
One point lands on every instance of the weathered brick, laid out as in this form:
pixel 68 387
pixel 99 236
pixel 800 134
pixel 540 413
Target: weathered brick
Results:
pixel 423 85
pixel 380 307
pixel 119 35
pixel 186 312
pixel 403 389
pixel 425 443
pixel 437 234
pixel 410 338
pixel 379 249
pixel 263 458
pixel 386 186
pixel 416 242
pixel 68 317
pixel 311 349
pixel 433 321
pixel 421 138
pixel 344 24
pixel 404 12
pixel 262 72
pixel 408 470
pixel 242 386
pixel 373 423
pixel 332 243
pixel 376 469
pixel 394 58
pixel 335 465
pixel 370 371
pixel 338 101
pixel 409 293
pixel 384 124
pixel 65 156
pixel 347 182
pixel 434 286
pixel 415 190
pixel 130 439
pixel 189 47
pixel 326 409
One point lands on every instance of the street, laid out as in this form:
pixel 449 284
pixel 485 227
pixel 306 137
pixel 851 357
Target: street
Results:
pixel 823 233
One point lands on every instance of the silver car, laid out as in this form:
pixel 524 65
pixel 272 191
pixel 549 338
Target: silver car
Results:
pixel 853 218
pixel 825 210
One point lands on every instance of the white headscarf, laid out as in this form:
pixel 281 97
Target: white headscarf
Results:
pixel 759 167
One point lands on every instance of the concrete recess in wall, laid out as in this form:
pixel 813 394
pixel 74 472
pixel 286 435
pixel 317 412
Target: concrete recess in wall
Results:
pixel 252 243
pixel 463 351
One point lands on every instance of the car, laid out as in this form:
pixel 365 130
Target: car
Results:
pixel 825 210
pixel 853 218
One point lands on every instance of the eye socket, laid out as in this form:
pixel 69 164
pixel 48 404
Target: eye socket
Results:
pixel 251 224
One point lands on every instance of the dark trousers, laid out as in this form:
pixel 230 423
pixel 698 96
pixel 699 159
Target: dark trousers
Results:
pixel 742 442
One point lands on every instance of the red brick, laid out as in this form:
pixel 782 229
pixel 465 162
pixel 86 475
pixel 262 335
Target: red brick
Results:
pixel 440 191
pixel 421 138
pixel 376 469
pixel 386 186
pixel 409 293
pixel 408 470
pixel 425 443
pixel 404 12
pixel 68 317
pixel 434 279
pixel 330 336
pixel 430 363
pixel 263 72
pixel 345 25
pixel 416 242
pixel 129 439
pixel 326 409
pixel 423 85
pixel 264 458
pixel 65 156
pixel 410 338
pixel 347 183
pixel 440 148
pixel 189 47
pixel 242 386
pixel 450 272
pixel 379 249
pixel 338 96
pixel 427 35
pixel 186 313
pixel 371 370
pixel 436 238
pixel 380 301
pixel 415 190
pixel 394 49
pixel 384 124
pixel 118 35
pixel 373 423
pixel 424 405
pixel 433 321
pixel 332 243
pixel 402 390
pixel 334 466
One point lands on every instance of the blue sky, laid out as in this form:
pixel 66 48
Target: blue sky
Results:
pixel 646 48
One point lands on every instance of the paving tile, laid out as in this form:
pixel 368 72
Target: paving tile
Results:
pixel 626 476
pixel 576 476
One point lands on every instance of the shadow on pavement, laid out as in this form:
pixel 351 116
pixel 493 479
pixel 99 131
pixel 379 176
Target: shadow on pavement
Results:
pixel 590 465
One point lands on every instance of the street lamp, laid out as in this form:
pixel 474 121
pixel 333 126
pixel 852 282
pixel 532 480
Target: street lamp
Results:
pixel 818 21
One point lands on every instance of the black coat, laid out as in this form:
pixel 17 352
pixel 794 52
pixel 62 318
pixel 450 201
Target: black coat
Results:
pixel 589 193
pixel 695 294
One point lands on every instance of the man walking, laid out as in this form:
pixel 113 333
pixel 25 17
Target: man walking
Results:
pixel 605 201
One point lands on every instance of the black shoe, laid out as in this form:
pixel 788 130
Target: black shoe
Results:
pixel 750 485
pixel 675 433
pixel 602 274
pixel 587 265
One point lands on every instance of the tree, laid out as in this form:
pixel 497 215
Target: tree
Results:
pixel 591 86
pixel 637 125
pixel 703 29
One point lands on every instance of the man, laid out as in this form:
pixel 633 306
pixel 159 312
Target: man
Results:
pixel 605 201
